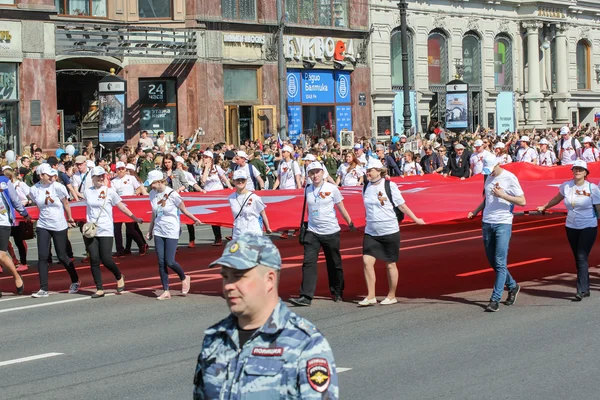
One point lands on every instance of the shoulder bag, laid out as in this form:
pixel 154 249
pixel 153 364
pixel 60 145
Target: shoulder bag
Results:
pixel 303 224
pixel 90 228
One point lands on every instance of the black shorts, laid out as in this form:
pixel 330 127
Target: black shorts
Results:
pixel 4 237
pixel 385 248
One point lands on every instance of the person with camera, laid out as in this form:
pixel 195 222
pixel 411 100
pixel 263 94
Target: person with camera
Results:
pixel 382 232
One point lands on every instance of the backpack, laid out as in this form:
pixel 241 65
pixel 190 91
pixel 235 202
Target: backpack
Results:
pixel 562 141
pixel 388 192
pixel 251 170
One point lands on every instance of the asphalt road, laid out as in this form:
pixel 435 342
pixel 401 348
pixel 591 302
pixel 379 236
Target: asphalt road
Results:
pixel 133 347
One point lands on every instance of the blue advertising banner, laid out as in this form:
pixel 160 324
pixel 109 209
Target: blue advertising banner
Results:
pixel 318 87
pixel 342 87
pixel 457 110
pixel 294 87
pixel 505 112
pixel 343 118
pixel 294 122
pixel 399 112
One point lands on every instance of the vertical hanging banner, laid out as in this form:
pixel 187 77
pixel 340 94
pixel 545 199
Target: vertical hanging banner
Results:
pixel 342 87
pixel 294 122
pixel 505 112
pixel 294 87
pixel 343 118
pixel 399 112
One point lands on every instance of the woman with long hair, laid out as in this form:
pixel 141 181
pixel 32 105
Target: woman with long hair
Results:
pixel 411 166
pixel 350 173
pixel 212 178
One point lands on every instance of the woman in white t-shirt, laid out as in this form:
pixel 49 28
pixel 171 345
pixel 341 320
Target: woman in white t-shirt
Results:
pixel 52 200
pixel 411 167
pixel 501 154
pixel 247 208
pixel 590 153
pixel 582 200
pixel 350 173
pixel 212 178
pixel 382 232
pixel 547 157
pixel 99 200
pixel 323 231
pixel 165 227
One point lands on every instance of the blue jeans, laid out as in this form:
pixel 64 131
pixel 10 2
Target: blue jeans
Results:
pixel 165 250
pixel 496 238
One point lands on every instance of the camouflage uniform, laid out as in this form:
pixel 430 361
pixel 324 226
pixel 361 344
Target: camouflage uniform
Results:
pixel 286 358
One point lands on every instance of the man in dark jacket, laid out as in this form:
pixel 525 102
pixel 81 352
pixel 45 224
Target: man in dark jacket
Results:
pixel 459 163
pixel 387 160
pixel 431 162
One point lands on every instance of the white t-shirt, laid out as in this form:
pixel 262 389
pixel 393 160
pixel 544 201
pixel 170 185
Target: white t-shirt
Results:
pixel 125 186
pixel 590 155
pixel 497 210
pixel 146 143
pixel 526 155
pixel 381 219
pixel 22 191
pixel 165 207
pixel 412 168
pixel 547 158
pixel 76 181
pixel 249 181
pixel 287 172
pixel 349 178
pixel 476 161
pixel 320 201
pixel 213 180
pixel 52 212
pixel 504 159
pixel 579 201
pixel 249 219
pixel 99 209
pixel 569 154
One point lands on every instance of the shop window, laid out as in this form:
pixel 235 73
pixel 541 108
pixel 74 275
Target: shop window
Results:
pixel 471 46
pixel 87 8
pixel 583 65
pixel 7 2
pixel 503 63
pixel 317 12
pixel 240 84
pixel 437 58
pixel 396 60
pixel 152 9
pixel 239 9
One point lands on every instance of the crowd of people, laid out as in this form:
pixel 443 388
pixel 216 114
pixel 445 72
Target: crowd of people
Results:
pixel 163 170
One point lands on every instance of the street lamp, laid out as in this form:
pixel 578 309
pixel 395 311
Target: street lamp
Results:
pixel 402 6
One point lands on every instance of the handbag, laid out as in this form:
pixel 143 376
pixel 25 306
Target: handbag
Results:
pixel 27 231
pixel 303 224
pixel 90 228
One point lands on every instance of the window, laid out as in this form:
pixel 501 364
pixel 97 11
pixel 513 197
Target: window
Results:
pixel 240 84
pixel 317 12
pixel 153 9
pixel 239 9
pixel 472 59
pixel 503 63
pixel 7 2
pixel 583 65
pixel 88 8
pixel 437 58
pixel 396 56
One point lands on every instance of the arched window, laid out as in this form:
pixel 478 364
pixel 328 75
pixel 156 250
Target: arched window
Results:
pixel 471 46
pixel 396 52
pixel 583 65
pixel 503 63
pixel 437 58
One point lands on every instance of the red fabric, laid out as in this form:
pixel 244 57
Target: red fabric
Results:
pixel 432 197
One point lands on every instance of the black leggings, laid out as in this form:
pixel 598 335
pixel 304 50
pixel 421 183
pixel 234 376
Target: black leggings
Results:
pixel 129 238
pixel 217 232
pixel 60 246
pixel 131 235
pixel 100 250
pixel 582 241
pixel 192 232
pixel 17 233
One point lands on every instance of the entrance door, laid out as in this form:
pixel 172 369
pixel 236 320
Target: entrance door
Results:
pixel 264 122
pixel 232 126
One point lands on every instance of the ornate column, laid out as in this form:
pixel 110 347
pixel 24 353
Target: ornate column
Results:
pixel 534 94
pixel 562 94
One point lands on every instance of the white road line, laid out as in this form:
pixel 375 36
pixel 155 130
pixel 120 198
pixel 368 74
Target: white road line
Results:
pixel 31 358
pixel 342 369
pixel 6 310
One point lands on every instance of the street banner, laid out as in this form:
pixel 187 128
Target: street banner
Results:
pixel 505 112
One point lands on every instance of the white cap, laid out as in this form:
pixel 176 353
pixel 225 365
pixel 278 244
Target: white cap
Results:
pixel 499 145
pixel 180 160
pixel 357 146
pixel 6 167
pixel 154 176
pixel 46 169
pixel 489 162
pixel 98 171
pixel 309 157
pixel 564 130
pixel 239 174
pixel 524 138
pixel 478 143
pixel 459 146
pixel 287 148
pixel 586 139
pixel 544 141
pixel 374 163
pixel 432 136
pixel 130 166
pixel 120 164
pixel 242 154
pixel 208 153
pixel 313 165
pixel 90 164
pixel 403 136
pixel 581 164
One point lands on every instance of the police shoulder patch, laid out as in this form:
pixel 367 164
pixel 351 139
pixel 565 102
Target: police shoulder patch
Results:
pixel 319 376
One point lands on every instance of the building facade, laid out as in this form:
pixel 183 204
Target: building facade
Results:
pixel 527 64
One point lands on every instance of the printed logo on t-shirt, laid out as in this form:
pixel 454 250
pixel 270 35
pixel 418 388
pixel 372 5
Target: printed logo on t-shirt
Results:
pixel 102 195
pixel 382 199
pixel 48 198
pixel 582 193
pixel 324 195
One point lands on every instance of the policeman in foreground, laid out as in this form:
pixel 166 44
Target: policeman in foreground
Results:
pixel 262 350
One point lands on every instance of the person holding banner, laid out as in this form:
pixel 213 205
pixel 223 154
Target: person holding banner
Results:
pixel 212 178
pixel 247 208
pixel 547 157
pixel 502 192
pixel 582 201
pixel 501 154
pixel 525 153
pixel 568 148
pixel 350 173
pixel 476 160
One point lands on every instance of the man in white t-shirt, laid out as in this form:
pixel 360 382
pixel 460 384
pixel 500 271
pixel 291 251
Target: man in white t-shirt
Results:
pixel 82 178
pixel 241 160
pixel 476 160
pixel 360 154
pixel 568 148
pixel 288 171
pixel 502 192
pixel 525 153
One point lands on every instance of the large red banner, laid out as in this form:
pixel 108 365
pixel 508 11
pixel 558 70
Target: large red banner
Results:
pixel 434 198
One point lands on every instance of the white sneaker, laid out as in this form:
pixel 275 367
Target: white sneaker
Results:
pixel 74 288
pixel 367 302
pixel 40 293
pixel 388 302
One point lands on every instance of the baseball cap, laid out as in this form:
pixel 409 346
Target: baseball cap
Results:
pixel 154 176
pixel 90 164
pixel 287 148
pixel 478 143
pixel 564 130
pixel 309 157
pixel 98 171
pixel 80 160
pixel 179 160
pixel 524 138
pixel 46 169
pixel 248 251
pixel 120 164
pixel 544 141
pixel 242 154
pixel 499 145
pixel 587 139
pixel 239 174
pixel 403 136
pixel 580 164
pixel 489 162
pixel 208 153
pixel 4 168
pixel 130 166
pixel 459 147
pixel 374 163
pixel 313 165
pixel 357 146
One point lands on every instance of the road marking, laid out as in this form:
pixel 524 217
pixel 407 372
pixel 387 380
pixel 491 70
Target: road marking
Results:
pixel 31 358
pixel 483 271
pixel 342 369
pixel 52 303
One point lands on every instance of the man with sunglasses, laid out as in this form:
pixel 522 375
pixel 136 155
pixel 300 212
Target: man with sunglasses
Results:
pixel 387 161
